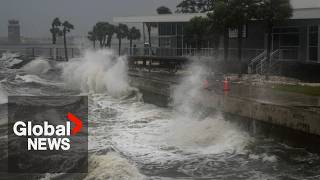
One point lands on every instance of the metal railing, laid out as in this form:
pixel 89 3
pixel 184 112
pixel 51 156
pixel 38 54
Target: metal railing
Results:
pixel 46 52
pixel 189 52
pixel 260 65
pixel 52 53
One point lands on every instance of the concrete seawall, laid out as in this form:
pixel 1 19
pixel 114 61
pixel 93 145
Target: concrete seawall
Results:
pixel 290 122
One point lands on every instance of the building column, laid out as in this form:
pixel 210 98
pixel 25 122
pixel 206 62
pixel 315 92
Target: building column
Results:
pixel 144 34
pixel 319 43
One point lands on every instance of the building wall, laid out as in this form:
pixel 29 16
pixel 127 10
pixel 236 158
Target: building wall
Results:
pixel 256 37
pixel 14 31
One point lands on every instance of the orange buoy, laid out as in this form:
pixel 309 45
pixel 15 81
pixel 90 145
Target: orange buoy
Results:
pixel 226 86
pixel 205 84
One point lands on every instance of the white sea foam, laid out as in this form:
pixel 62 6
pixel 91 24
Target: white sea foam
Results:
pixel 9 59
pixel 211 135
pixel 37 66
pixel 98 72
pixel 30 78
pixel 3 96
pixel 111 166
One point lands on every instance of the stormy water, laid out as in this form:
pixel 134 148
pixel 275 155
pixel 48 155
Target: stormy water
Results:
pixel 130 139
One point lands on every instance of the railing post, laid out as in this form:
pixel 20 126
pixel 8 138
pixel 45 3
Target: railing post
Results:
pixel 72 55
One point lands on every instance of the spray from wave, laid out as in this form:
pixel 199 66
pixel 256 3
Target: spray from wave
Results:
pixel 38 66
pixel 98 71
pixel 197 128
pixel 111 166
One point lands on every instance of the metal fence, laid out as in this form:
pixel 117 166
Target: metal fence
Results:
pixel 46 52
pixel 52 53
pixel 189 52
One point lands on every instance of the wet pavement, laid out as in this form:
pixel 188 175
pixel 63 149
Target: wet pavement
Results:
pixel 273 96
pixel 253 93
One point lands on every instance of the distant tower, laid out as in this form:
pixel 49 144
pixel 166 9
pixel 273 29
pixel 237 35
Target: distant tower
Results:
pixel 13 31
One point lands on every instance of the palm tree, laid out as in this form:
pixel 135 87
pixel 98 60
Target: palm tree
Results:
pixel 149 27
pixel 273 12
pixel 92 36
pixel 110 30
pixel 104 33
pixel 133 34
pixel 242 12
pixel 67 27
pixel 101 28
pixel 122 32
pixel 196 30
pixel 221 20
pixel 56 23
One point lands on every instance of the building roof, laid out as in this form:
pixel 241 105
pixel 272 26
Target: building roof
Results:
pixel 299 13
pixel 158 18
pixel 306 13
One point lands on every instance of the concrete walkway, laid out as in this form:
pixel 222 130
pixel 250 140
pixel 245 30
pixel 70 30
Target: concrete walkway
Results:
pixel 273 96
pixel 253 93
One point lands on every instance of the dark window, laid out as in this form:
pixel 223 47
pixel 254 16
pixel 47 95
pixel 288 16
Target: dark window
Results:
pixel 289 40
pixel 313 43
pixel 180 29
pixel 313 54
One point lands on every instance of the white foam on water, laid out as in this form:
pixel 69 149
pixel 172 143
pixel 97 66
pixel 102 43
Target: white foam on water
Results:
pixel 98 71
pixel 3 96
pixel 30 78
pixel 154 134
pixel 211 135
pixel 37 66
pixel 111 166
pixel 9 59
pixel 8 55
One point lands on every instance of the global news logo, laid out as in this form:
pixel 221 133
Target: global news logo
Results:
pixel 48 136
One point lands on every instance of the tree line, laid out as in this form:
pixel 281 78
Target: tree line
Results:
pixel 225 15
pixel 103 32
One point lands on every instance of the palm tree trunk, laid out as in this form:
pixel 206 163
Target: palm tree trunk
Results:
pixel 65 46
pixel 270 26
pixel 119 46
pixel 149 36
pixel 216 43
pixel 109 41
pixel 240 32
pixel 130 47
pixel 226 43
pixel 101 43
pixel 53 35
pixel 104 41
pixel 53 38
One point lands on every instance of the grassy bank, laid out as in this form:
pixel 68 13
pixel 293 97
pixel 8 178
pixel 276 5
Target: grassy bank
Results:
pixel 307 90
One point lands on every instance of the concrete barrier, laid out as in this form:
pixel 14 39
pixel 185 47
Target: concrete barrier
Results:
pixel 299 124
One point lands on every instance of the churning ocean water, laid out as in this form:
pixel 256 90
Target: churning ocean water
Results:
pixel 130 139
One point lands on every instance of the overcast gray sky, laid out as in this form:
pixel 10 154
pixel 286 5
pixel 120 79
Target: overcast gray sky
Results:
pixel 35 16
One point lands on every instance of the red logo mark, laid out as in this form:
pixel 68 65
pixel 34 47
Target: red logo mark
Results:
pixel 77 121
